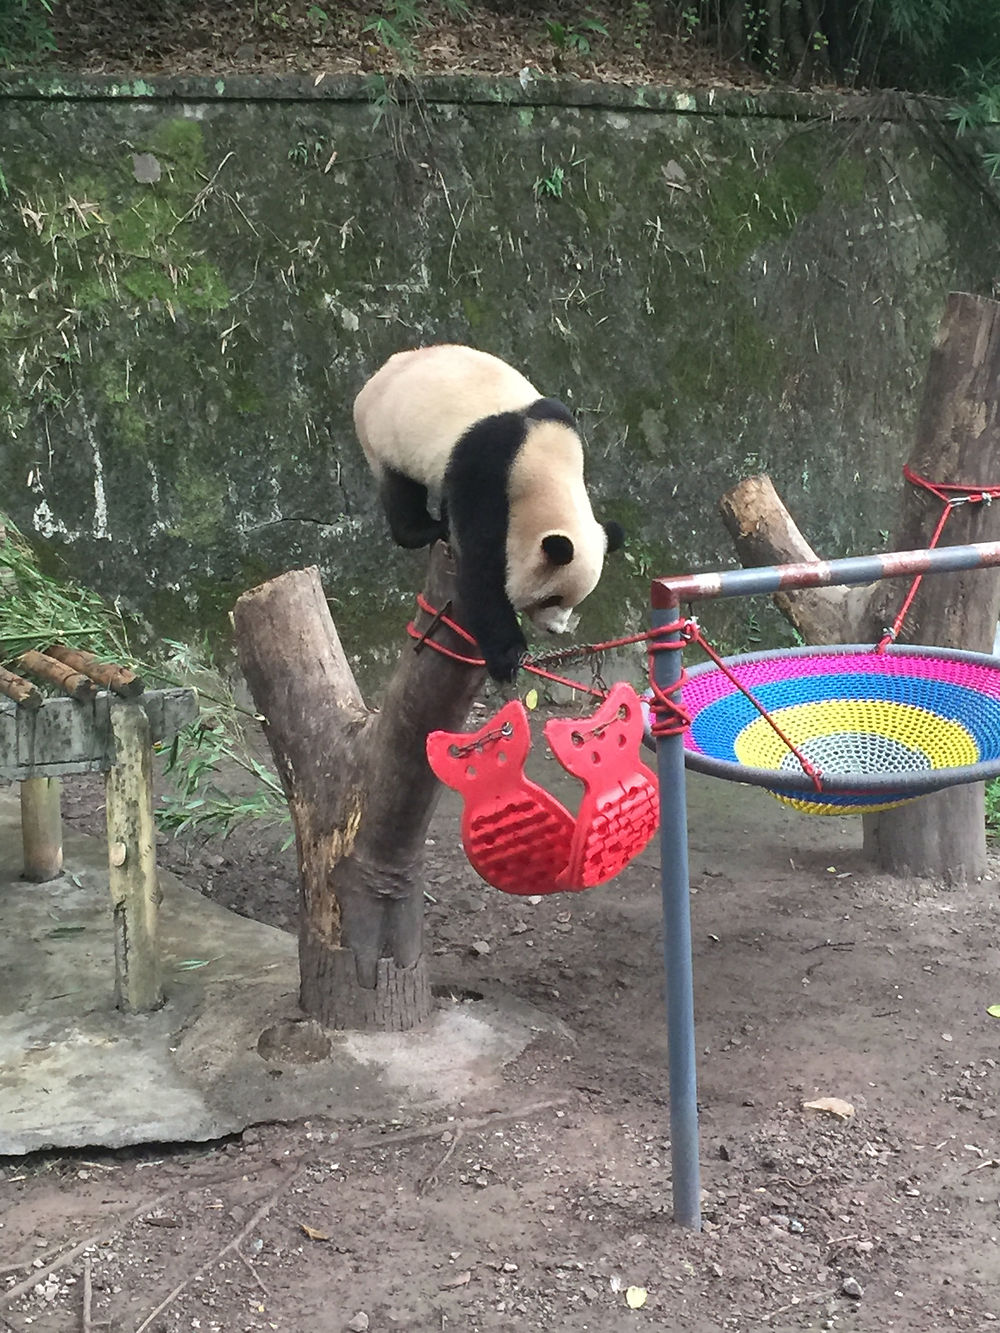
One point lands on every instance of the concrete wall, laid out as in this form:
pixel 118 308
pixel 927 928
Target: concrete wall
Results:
pixel 197 275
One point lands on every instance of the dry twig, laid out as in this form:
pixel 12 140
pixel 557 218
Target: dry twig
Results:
pixel 433 1176
pixel 87 1320
pixel 233 1244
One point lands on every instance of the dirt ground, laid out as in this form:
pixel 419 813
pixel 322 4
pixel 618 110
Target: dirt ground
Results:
pixel 546 1204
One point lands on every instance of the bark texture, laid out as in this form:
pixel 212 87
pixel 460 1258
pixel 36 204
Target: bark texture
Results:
pixel 360 792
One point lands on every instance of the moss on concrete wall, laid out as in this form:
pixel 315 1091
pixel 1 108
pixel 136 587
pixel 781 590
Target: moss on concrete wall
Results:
pixel 195 278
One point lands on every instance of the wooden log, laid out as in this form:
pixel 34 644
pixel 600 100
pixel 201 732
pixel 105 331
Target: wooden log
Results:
pixel 24 694
pixel 360 792
pixel 764 533
pixel 71 682
pixel 135 892
pixel 120 680
pixel 41 829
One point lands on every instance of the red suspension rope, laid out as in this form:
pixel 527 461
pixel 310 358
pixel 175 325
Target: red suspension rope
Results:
pixel 951 495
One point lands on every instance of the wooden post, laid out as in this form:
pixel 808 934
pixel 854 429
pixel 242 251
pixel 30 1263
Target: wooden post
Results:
pixel 41 829
pixel 135 892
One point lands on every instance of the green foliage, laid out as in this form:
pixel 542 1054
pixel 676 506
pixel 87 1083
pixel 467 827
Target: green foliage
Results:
pixel 552 184
pixel 574 37
pixel 25 31
pixel 37 609
pixel 399 22
pixel 919 45
pixel 218 781
pixel 993 808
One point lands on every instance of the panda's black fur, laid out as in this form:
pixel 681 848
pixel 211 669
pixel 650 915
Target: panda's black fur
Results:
pixel 475 506
pixel 418 422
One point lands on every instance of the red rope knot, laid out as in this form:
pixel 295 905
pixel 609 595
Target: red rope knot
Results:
pixel 668 716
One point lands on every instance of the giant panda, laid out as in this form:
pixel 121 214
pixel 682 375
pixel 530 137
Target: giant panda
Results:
pixel 506 467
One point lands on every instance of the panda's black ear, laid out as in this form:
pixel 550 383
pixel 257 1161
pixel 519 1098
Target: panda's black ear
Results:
pixel 558 548
pixel 550 409
pixel 616 536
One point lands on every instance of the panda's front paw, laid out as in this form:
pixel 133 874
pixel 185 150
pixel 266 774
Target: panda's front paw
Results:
pixel 502 664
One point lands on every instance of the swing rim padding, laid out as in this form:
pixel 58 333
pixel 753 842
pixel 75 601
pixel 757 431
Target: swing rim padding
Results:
pixel 799 784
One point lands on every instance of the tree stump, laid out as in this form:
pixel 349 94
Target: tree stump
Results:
pixel 958 442
pixel 359 789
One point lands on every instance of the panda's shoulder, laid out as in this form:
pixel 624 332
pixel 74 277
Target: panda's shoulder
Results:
pixel 488 448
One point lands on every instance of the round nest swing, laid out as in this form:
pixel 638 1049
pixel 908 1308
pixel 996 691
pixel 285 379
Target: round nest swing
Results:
pixel 879 729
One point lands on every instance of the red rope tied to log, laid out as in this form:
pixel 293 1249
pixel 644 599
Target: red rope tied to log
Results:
pixel 951 495
pixel 424 637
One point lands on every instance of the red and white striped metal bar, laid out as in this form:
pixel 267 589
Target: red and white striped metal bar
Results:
pixel 667 595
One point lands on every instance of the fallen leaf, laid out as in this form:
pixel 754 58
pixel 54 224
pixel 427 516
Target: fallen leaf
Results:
pixel 312 1233
pixel 831 1106
pixel 531 700
pixel 635 1297
pixel 462 1280
pixel 994 1010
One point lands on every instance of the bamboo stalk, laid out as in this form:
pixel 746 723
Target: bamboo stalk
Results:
pixel 73 683
pixel 119 679
pixel 24 694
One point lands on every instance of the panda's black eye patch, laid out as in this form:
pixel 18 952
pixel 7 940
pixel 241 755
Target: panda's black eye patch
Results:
pixel 548 602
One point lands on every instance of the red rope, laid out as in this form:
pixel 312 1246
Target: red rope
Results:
pixel 951 495
pixel 810 770
pixel 424 639
pixel 668 716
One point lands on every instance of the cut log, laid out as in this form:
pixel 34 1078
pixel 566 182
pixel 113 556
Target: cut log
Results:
pixel 764 533
pixel 958 441
pixel 135 891
pixel 359 789
pixel 41 829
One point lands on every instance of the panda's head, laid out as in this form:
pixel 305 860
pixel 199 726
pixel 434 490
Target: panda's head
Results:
pixel 563 568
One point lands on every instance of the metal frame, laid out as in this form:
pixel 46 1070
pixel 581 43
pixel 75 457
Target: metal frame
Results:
pixel 666 596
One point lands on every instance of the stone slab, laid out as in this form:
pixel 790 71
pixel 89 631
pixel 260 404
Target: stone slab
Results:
pixel 74 1072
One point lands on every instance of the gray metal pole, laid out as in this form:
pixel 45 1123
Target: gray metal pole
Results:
pixel 677 958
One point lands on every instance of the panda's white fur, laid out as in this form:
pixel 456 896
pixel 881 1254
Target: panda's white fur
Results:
pixel 469 430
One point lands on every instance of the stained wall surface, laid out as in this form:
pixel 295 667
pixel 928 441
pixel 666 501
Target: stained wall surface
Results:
pixel 196 276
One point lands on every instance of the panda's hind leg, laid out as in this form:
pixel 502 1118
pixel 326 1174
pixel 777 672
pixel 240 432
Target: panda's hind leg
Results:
pixel 405 503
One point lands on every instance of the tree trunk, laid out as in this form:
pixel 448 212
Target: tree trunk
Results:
pixel 359 789
pixel 958 442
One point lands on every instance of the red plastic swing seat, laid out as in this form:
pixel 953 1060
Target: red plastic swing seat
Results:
pixel 517 836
